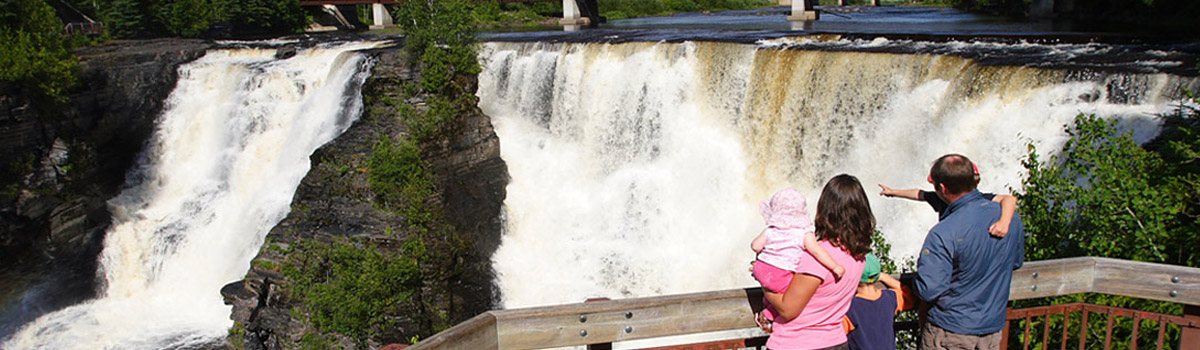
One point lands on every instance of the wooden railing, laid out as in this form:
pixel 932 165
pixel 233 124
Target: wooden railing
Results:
pixel 608 321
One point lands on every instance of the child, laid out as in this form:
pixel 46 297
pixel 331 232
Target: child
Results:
pixel 872 311
pixel 781 245
pixel 1008 204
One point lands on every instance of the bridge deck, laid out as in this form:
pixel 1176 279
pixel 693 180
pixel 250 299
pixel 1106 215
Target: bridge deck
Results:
pixel 385 2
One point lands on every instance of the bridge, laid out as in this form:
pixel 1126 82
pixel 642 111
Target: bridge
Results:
pixel 576 13
pixel 600 323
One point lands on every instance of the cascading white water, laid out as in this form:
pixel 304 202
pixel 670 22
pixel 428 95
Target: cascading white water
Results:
pixel 229 150
pixel 637 168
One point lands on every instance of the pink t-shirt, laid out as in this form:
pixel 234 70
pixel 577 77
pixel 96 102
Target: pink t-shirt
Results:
pixel 820 324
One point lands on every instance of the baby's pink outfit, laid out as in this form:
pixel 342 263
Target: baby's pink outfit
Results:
pixel 787 220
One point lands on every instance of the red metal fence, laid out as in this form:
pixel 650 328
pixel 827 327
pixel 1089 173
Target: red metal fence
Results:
pixel 1080 324
pixel 1066 326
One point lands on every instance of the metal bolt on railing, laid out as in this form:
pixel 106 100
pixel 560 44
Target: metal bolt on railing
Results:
pixel 628 315
pixel 1034 288
pixel 1035 275
pixel 1174 294
pixel 582 318
pixel 583 333
pixel 1175 279
pixel 628 329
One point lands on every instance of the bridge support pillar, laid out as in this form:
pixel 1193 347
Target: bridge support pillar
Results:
pixel 579 13
pixel 802 10
pixel 572 15
pixel 381 16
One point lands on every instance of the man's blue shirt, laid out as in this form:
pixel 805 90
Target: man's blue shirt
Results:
pixel 965 272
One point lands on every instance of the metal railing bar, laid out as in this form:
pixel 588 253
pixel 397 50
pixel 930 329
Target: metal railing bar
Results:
pixel 1137 323
pixel 1066 328
pixel 1108 332
pixel 1046 331
pixel 1162 332
pixel 1083 330
pixel 1028 321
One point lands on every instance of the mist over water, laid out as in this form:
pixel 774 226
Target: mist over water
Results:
pixel 229 150
pixel 637 167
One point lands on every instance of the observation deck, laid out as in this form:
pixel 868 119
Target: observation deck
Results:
pixel 598 324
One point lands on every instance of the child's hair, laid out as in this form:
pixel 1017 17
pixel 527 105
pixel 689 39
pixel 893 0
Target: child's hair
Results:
pixel 787 208
pixel 844 216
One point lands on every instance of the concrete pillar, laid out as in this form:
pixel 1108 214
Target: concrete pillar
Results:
pixel 874 2
pixel 802 10
pixel 841 2
pixel 572 16
pixel 382 17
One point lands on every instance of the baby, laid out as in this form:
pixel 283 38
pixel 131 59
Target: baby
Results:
pixel 781 245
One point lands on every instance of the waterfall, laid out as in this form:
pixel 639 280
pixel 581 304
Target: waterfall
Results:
pixel 637 167
pixel 227 154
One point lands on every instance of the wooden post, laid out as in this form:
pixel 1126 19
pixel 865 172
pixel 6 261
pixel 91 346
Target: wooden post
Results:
pixel 1190 337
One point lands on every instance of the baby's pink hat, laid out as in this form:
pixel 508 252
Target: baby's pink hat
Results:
pixel 786 209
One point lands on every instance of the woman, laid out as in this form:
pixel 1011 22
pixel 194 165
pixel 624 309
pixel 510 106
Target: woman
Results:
pixel 810 311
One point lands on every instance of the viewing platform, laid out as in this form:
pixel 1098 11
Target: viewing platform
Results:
pixel 598 324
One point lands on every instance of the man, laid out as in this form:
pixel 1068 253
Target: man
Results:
pixel 963 272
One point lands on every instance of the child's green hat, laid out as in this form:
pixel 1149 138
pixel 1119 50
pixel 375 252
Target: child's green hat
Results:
pixel 871 269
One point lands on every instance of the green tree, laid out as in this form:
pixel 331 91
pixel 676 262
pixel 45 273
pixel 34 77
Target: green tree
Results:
pixel 124 18
pixel 267 16
pixel 1104 195
pixel 430 23
pixel 33 50
pixel 189 18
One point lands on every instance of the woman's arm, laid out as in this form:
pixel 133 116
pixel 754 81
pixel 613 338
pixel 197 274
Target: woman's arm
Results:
pixel 790 303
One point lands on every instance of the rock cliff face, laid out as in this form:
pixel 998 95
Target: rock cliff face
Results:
pixel 62 162
pixel 335 199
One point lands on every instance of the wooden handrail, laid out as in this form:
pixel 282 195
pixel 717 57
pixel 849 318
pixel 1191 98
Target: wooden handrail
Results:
pixel 653 317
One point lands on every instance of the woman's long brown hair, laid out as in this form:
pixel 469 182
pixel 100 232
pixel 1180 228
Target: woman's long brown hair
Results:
pixel 844 216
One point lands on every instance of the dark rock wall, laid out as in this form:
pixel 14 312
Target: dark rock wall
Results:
pixel 64 161
pixel 334 199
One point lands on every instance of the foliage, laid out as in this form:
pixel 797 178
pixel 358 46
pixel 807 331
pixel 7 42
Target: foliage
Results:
pixel 616 9
pixel 1106 196
pixel 399 179
pixel 187 18
pixel 33 51
pixel 267 16
pixel 124 18
pixel 429 23
pixel 195 18
pixel 350 287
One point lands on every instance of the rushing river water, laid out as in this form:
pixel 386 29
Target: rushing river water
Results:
pixel 637 152
pixel 638 156
pixel 228 152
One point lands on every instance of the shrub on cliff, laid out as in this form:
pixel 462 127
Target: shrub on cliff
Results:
pixel 351 288
pixel 33 49
pixel 1104 195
